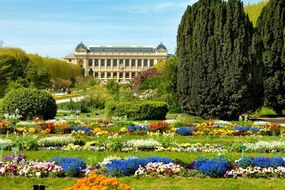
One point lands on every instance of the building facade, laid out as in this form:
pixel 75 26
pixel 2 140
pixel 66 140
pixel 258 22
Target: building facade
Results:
pixel 121 63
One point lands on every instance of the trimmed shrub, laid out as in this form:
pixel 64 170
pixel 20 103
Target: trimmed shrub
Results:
pixel 72 167
pixel 30 103
pixel 184 131
pixel 137 110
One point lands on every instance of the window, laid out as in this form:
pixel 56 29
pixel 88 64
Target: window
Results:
pixel 108 62
pixel 151 62
pixel 96 75
pixel 69 60
pixel 121 61
pixel 102 62
pixel 91 72
pixel 133 75
pixel 121 75
pixel 90 62
pixel 139 63
pixel 96 62
pixel 145 62
pixel 133 62
pixel 115 75
pixel 108 75
pixel 127 62
pixel 127 75
pixel 102 75
pixel 115 62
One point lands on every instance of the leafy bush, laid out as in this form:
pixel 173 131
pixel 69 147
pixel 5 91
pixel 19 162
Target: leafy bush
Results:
pixel 30 103
pixel 215 167
pixel 137 110
pixel 130 165
pixel 71 166
pixel 184 131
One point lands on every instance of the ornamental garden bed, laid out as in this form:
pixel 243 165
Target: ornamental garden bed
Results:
pixel 174 147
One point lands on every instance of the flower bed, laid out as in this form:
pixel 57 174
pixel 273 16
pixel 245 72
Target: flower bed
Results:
pixel 98 182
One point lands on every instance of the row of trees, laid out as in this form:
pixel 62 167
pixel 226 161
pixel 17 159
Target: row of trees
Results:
pixel 19 69
pixel 224 63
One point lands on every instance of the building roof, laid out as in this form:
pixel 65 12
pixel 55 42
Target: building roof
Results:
pixel 70 56
pixel 81 46
pixel 122 49
pixel 161 46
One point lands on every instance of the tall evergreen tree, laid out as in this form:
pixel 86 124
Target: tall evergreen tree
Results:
pixel 215 71
pixel 270 28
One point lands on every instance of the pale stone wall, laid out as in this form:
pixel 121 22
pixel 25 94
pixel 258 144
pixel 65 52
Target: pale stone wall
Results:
pixel 122 66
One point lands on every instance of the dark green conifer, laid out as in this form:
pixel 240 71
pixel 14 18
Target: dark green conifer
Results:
pixel 271 30
pixel 216 65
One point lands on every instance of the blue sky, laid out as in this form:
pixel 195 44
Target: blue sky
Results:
pixel 54 27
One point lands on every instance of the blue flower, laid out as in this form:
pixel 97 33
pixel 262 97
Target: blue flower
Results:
pixel 184 131
pixel 129 166
pixel 81 128
pixel 244 162
pixel 138 128
pixel 71 166
pixel 215 167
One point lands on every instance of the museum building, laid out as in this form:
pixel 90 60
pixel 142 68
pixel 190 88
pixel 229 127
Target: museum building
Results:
pixel 121 63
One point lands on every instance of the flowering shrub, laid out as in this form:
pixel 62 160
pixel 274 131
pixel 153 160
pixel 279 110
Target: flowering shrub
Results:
pixel 246 129
pixel 31 169
pixel 86 130
pixel 262 162
pixel 244 162
pixel 159 168
pixel 6 142
pixel 159 126
pixel 4 125
pixel 56 141
pixel 271 129
pixel 215 167
pixel 143 144
pixel 257 172
pixel 98 131
pixel 72 167
pixel 99 182
pixel 264 146
pixel 138 128
pixel 15 158
pixel 130 165
pixel 184 131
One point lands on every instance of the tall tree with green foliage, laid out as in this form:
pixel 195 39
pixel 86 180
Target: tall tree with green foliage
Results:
pixel 271 30
pixel 215 62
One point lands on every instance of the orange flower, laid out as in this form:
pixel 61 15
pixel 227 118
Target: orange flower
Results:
pixel 98 182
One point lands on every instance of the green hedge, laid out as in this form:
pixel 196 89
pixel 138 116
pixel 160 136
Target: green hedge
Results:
pixel 30 103
pixel 137 110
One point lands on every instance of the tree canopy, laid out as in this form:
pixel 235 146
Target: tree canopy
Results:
pixel 216 70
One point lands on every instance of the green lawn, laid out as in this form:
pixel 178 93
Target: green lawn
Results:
pixel 265 112
pixel 149 183
pixel 92 157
